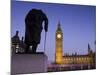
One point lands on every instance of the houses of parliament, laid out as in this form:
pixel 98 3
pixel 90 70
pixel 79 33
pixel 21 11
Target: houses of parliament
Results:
pixel 88 58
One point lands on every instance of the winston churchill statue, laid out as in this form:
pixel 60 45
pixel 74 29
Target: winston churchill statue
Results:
pixel 34 21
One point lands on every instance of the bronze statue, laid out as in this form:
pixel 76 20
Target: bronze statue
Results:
pixel 33 28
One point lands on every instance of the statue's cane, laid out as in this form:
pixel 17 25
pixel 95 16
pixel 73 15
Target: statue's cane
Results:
pixel 45 41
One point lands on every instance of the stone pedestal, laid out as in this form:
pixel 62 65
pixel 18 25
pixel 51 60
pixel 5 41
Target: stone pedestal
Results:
pixel 28 63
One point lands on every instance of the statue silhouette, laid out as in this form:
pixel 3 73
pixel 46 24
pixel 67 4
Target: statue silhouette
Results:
pixel 33 27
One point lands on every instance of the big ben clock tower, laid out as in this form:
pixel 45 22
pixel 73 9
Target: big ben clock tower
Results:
pixel 59 45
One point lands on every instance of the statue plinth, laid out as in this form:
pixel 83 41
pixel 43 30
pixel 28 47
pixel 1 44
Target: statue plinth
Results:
pixel 28 63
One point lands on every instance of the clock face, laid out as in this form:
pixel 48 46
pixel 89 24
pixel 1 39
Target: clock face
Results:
pixel 58 35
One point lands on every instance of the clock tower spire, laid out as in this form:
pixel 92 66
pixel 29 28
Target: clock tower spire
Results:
pixel 59 45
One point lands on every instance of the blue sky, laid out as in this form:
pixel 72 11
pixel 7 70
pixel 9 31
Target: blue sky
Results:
pixel 78 23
